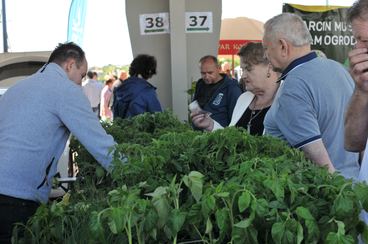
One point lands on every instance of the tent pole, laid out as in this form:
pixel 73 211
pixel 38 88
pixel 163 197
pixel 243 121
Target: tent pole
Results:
pixel 5 33
pixel 232 65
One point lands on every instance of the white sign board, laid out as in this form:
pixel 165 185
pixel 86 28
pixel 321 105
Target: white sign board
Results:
pixel 153 24
pixel 198 22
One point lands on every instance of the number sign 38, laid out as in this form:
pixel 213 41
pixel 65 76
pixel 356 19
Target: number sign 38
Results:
pixel 157 23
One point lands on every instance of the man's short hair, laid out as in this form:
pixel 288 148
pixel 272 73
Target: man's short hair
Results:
pixel 209 57
pixel 358 10
pixel 90 74
pixel 290 27
pixel 67 50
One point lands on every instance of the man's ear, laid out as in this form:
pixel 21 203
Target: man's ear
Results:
pixel 68 65
pixel 284 46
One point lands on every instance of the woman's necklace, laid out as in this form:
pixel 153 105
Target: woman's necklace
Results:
pixel 253 115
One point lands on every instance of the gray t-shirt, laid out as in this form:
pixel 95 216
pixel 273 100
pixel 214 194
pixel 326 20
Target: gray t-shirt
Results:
pixel 310 105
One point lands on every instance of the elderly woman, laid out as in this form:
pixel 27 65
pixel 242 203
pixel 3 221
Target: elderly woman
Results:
pixel 252 106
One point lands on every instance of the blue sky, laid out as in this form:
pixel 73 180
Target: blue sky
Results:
pixel 38 25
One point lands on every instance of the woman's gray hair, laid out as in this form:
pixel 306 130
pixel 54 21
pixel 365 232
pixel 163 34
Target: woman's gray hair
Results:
pixel 290 27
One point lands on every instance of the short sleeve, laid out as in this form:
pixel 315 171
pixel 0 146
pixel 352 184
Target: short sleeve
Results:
pixel 296 115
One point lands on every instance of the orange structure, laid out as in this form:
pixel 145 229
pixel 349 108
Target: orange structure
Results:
pixel 236 32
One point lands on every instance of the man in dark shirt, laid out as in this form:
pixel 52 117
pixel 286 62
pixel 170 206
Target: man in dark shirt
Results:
pixel 216 93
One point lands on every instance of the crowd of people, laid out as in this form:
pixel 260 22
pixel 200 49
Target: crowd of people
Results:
pixel 311 102
pixel 127 96
pixel 248 109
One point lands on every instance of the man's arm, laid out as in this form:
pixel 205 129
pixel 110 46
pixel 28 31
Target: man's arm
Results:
pixel 316 152
pixel 356 117
pixel 77 116
pixel 356 122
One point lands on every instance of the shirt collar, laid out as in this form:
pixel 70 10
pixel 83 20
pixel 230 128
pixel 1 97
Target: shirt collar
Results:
pixel 297 62
pixel 53 69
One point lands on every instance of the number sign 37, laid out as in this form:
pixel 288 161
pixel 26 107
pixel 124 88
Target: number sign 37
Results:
pixel 198 22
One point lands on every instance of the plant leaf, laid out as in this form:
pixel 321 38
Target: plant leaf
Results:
pixel 245 223
pixel 277 232
pixel 223 194
pixel 163 208
pixel 222 218
pixel 304 213
pixel 343 206
pixel 299 234
pixel 244 201
pixel 194 181
pixel 209 226
pixel 177 219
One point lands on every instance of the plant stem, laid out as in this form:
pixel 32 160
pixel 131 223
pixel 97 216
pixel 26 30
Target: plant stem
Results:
pixel 195 241
pixel 175 239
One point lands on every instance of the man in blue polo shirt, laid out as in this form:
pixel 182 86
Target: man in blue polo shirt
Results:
pixel 308 111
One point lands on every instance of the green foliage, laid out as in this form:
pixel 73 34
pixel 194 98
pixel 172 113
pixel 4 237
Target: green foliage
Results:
pixel 183 186
pixel 109 70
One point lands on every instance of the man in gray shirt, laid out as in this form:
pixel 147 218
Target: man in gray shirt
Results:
pixel 36 117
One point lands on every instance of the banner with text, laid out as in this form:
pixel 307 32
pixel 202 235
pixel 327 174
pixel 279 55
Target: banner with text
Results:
pixel 76 21
pixel 232 47
pixel 329 29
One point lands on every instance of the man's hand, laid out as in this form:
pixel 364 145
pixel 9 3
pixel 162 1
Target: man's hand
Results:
pixel 356 117
pixel 202 120
pixel 358 59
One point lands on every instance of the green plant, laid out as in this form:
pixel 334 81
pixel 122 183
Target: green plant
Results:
pixel 185 186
